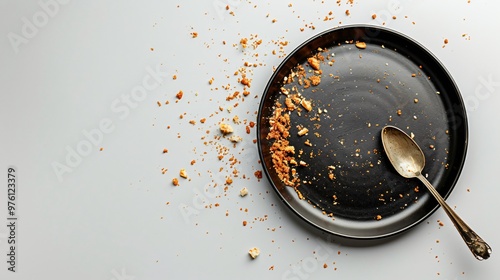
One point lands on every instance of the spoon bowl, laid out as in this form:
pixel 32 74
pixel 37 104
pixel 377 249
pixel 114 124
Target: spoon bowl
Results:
pixel 409 161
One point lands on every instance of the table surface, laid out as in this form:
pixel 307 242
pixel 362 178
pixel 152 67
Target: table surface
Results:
pixel 88 105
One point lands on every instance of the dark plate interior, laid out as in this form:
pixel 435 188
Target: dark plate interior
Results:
pixel 359 94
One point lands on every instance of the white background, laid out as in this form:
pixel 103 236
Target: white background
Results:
pixel 68 66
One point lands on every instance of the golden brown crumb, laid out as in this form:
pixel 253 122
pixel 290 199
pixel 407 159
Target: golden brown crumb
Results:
pixel 229 181
pixel 179 94
pixel 194 34
pixel 303 131
pixel 399 112
pixel 245 82
pixel 347 12
pixel 361 45
pixel 413 75
pixel 165 151
pixel 245 223
pixel 175 182
pixel 446 41
pixel 306 104
pixel 183 173
pixel 325 265
pixel 314 63
pixel 378 218
pixel 243 42
pixel 374 16
pixel 315 80
pixel 101 149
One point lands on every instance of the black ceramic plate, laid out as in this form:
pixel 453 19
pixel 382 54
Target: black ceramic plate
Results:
pixel 393 81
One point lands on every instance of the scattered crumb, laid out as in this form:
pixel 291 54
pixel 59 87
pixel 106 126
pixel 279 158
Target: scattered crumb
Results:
pixel 254 252
pixel 179 94
pixel 225 128
pixel 175 182
pixel 243 192
pixel 183 173
pixel 361 45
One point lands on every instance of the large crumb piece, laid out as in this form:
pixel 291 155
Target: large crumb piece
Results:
pixel 183 173
pixel 314 63
pixel 243 192
pixel 175 182
pixel 179 94
pixel 361 45
pixel 225 128
pixel 235 139
pixel 306 104
pixel 254 252
pixel 303 131
pixel 315 80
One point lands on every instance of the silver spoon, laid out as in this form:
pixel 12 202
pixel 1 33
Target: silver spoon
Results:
pixel 409 161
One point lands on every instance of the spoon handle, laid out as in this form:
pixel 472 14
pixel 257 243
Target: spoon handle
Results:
pixel 479 248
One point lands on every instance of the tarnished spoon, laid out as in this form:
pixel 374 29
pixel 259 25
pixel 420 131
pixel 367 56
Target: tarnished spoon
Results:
pixel 409 161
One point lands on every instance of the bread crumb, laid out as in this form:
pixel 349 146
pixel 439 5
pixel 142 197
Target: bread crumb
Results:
pixel 244 223
pixel 235 139
pixel 175 182
pixel 361 45
pixel 315 80
pixel 179 94
pixel 254 252
pixel 165 151
pixel 303 131
pixel 306 104
pixel 378 217
pixel 314 63
pixel 243 192
pixel 225 128
pixel 183 173
pixel 374 16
